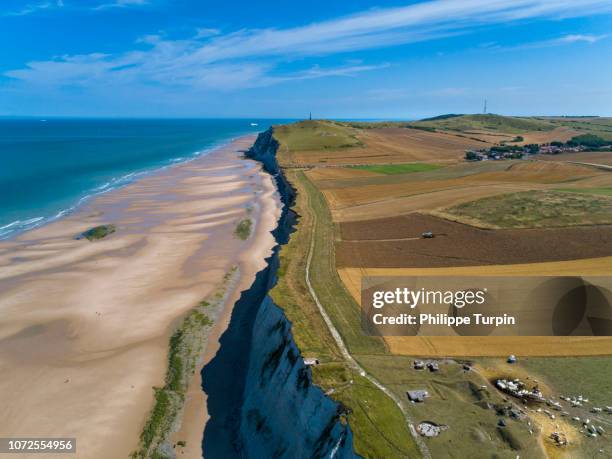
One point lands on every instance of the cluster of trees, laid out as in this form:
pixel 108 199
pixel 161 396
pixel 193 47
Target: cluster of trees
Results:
pixel 587 140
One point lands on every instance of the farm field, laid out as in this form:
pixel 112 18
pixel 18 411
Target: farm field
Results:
pixel 537 209
pixel 491 128
pixel 334 143
pixel 585 125
pixel 396 242
pixel 392 169
pixel 587 157
pixel 379 219
pixel 360 197
pixel 559 134
pixel 369 213
pixel 474 346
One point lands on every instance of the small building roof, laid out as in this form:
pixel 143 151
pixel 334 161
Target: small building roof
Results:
pixel 417 395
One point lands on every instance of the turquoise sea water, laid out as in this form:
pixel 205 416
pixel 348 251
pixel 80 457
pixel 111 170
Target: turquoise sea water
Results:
pixel 48 167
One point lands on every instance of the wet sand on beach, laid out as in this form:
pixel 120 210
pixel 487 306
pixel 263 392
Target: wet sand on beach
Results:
pixel 84 326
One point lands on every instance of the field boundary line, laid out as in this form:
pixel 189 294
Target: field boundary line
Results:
pixel 604 167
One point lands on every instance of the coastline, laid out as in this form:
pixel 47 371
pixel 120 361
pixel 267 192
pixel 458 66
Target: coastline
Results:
pixel 86 325
pixel 114 184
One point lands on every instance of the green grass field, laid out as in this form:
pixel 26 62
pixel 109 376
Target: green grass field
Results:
pixel 394 169
pixel 589 376
pixel 457 400
pixel 573 376
pixel 316 135
pixel 488 122
pixel 466 123
pixel 536 209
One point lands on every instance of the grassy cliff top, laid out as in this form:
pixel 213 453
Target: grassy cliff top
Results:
pixel 315 135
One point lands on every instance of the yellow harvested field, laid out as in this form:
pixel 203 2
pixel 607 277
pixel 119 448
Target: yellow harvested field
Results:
pixel 339 198
pixel 492 346
pixel 392 145
pixel 355 196
pixel 561 134
pixel 417 201
pixel 596 157
pixel 416 145
pixel 351 277
pixel 596 181
pixel 486 136
pixel 488 345
pixel 539 172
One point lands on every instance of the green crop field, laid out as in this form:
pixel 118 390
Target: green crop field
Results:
pixel 536 209
pixel 393 169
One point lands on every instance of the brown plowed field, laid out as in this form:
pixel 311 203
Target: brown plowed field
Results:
pixel 368 244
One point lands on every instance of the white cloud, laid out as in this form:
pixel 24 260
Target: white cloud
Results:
pixel 580 38
pixel 121 4
pixel 249 57
pixel 564 40
pixel 206 32
pixel 35 7
pixel 49 5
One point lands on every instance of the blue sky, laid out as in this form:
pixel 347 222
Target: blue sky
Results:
pixel 357 59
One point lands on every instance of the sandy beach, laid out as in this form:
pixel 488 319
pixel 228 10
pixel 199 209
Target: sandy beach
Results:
pixel 84 326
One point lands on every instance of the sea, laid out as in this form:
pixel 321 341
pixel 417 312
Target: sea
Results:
pixel 48 167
